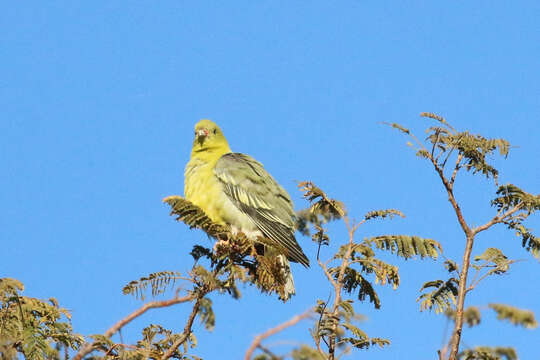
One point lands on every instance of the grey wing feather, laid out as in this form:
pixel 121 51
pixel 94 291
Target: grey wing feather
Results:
pixel 255 192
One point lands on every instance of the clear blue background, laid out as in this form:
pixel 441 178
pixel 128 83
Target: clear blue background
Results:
pixel 98 100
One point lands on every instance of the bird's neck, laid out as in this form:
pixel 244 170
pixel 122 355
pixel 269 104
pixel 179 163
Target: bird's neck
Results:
pixel 209 154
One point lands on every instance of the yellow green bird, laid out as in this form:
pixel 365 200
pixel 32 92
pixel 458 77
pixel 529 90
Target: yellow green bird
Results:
pixel 234 189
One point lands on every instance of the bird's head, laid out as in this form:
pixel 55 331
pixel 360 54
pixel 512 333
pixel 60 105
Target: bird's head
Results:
pixel 209 137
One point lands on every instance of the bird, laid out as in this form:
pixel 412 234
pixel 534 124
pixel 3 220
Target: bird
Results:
pixel 233 189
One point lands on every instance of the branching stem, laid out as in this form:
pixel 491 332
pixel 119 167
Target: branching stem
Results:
pixel 88 348
pixel 338 284
pixel 456 169
pixel 506 214
pixel 498 218
pixel 187 328
pixel 466 262
pixel 259 338
pixel 462 292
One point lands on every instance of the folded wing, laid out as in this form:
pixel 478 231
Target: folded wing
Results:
pixel 255 193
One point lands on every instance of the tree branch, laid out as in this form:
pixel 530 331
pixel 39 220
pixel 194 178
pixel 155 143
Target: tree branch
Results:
pixel 187 328
pixel 474 283
pixel 497 219
pixel 475 276
pixel 449 185
pixel 456 169
pixel 462 291
pixel 451 198
pixel 338 285
pixel 466 262
pixel 88 348
pixel 435 143
pixel 328 276
pixel 259 338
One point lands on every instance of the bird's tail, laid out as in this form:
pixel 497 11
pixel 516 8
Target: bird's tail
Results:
pixel 287 275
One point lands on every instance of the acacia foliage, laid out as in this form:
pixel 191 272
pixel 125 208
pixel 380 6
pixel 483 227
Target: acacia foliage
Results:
pixel 154 343
pixel 441 298
pixel 32 327
pixel 407 246
pixel 158 282
pixel 473 154
pixel 353 271
pixel 510 196
pixel 489 353
pixel 515 315
pixel 449 151
pixel 473 317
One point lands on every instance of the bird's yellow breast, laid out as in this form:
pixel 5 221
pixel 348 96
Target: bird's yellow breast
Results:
pixel 204 189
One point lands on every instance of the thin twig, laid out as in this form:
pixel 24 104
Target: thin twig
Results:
pixel 456 270
pixel 465 264
pixel 451 197
pixel 319 323
pixel 187 328
pixel 319 249
pixel 475 276
pixel 327 273
pixel 435 142
pixel 110 350
pixel 259 338
pixel 88 348
pixel 475 282
pixel 355 227
pixel 473 285
pixel 497 219
pixel 338 285
pixel 456 169
pixel 454 143
pixel 203 291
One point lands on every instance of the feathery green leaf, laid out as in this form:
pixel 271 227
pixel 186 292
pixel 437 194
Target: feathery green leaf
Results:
pixel 516 316
pixel 441 298
pixel 407 246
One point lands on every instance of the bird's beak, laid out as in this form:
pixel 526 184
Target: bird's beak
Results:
pixel 201 136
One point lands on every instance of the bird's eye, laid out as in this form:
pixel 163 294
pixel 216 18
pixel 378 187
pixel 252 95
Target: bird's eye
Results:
pixel 215 131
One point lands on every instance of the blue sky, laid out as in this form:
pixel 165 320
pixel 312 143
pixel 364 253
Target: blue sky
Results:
pixel 98 104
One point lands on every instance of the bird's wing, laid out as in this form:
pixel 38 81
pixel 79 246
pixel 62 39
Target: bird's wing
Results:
pixel 259 196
